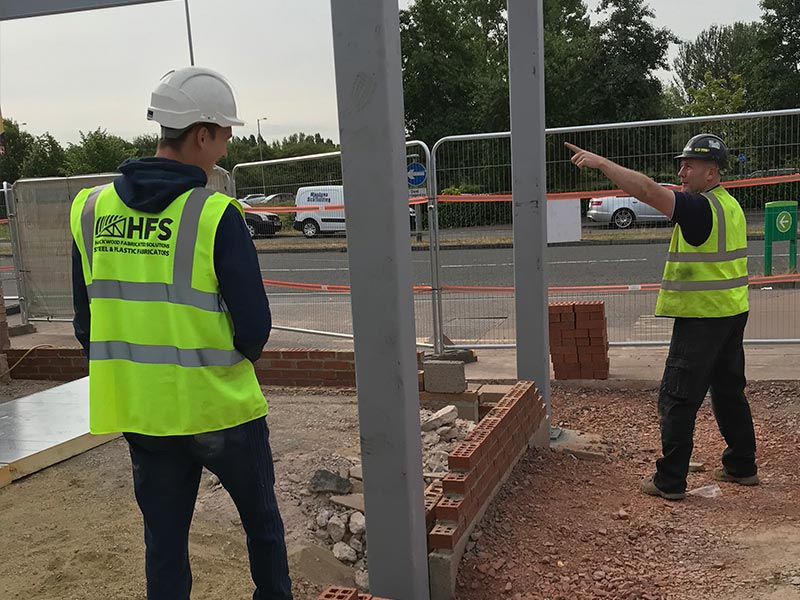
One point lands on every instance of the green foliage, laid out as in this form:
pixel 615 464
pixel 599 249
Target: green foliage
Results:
pixel 17 146
pixel 98 152
pixel 718 50
pixel 145 145
pixel 716 96
pixel 45 158
pixel 628 48
pixel 776 76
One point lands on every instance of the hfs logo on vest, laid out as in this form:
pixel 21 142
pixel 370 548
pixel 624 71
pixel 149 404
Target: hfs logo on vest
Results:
pixel 120 226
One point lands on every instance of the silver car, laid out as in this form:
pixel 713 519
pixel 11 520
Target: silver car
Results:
pixel 623 211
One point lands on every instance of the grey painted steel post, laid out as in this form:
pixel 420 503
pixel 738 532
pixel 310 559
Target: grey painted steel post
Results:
pixel 433 230
pixel 16 250
pixel 366 43
pixel 526 81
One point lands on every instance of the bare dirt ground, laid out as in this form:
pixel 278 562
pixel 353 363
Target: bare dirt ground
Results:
pixel 556 531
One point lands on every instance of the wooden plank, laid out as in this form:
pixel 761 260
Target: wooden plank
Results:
pixel 55 454
pixel 5 475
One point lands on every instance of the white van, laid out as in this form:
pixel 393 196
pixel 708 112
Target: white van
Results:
pixel 327 216
pixel 322 220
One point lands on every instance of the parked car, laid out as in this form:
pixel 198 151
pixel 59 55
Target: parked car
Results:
pixel 260 223
pixel 623 211
pixel 322 220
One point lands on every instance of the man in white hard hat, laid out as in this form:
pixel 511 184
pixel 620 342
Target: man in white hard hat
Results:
pixel 171 310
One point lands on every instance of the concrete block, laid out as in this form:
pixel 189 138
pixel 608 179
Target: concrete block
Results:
pixel 444 376
pixel 491 393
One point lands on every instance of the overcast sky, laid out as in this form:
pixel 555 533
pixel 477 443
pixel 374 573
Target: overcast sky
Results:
pixel 76 72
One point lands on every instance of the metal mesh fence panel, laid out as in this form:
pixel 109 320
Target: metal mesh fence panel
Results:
pixel 44 239
pixel 305 264
pixel 623 242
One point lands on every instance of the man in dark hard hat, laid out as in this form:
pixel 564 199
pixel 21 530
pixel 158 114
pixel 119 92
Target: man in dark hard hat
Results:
pixel 704 288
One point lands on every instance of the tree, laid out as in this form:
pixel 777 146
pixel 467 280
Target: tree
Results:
pixel 17 145
pixel 45 158
pixel 98 152
pixel 777 73
pixel 568 43
pixel 145 145
pixel 718 51
pixel 628 49
pixel 716 96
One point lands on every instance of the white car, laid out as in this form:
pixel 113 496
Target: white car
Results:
pixel 623 211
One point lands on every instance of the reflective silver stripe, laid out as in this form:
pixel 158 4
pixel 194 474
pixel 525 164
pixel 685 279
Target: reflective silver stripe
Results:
pixel 706 257
pixel 164 355
pixel 187 236
pixel 87 222
pixel 704 286
pixel 154 292
pixel 722 227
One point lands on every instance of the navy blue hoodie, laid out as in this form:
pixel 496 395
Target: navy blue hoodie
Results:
pixel 150 185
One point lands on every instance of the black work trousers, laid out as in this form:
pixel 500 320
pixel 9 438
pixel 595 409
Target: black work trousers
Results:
pixel 166 477
pixel 704 353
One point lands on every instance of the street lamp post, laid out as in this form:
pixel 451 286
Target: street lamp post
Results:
pixel 261 153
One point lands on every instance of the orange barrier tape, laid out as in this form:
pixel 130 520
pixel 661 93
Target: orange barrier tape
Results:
pixel 468 198
pixel 575 289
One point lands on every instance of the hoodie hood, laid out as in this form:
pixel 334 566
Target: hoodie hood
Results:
pixel 151 184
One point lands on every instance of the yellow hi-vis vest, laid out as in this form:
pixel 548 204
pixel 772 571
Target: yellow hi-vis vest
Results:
pixel 161 354
pixel 709 280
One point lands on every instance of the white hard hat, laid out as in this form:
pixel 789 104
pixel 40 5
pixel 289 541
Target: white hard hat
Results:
pixel 193 95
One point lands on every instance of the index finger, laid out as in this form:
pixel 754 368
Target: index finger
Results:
pixel 573 147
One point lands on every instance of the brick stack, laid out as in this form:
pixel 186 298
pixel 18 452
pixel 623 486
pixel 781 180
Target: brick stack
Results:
pixel 343 593
pixel 482 460
pixel 579 340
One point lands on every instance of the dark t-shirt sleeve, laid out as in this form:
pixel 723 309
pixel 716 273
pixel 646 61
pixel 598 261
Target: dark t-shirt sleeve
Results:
pixel 693 213
pixel 239 274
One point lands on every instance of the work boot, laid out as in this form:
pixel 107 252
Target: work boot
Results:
pixel 721 474
pixel 649 487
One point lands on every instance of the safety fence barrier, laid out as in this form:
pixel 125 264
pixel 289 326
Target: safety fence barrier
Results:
pixel 460 207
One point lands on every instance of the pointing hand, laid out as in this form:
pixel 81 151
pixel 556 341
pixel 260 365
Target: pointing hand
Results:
pixel 583 158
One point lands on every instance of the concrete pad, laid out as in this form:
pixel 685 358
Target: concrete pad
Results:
pixel 493 392
pixel 354 501
pixel 47 427
pixel 586 446
pixel 444 376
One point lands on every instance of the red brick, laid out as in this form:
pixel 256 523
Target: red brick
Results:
pixel 309 364
pixel 339 593
pixel 463 457
pixel 443 536
pixel 458 483
pixel 338 365
pixel 449 509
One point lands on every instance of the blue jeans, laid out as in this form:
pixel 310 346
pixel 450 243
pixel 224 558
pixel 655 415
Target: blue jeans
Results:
pixel 703 354
pixel 166 477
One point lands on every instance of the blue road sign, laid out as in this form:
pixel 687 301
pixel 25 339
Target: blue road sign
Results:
pixel 417 174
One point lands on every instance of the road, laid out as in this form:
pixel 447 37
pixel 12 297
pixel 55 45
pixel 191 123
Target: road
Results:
pixel 568 266
pixel 488 316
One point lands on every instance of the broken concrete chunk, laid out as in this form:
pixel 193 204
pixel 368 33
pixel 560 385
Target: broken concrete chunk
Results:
pixel 344 553
pixel 358 524
pixel 325 481
pixel 336 529
pixel 445 416
pixel 353 501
